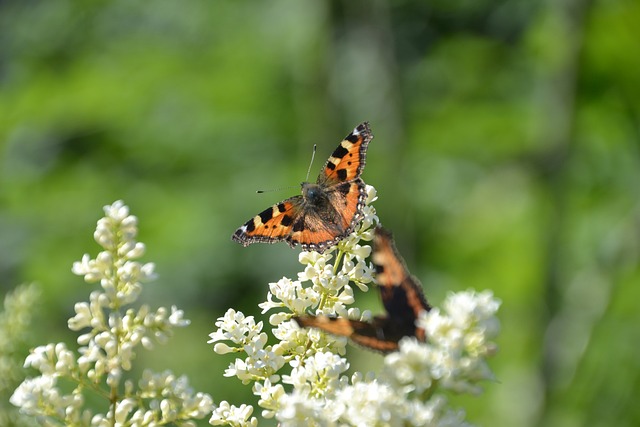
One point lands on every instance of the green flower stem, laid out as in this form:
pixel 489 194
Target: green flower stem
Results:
pixel 325 296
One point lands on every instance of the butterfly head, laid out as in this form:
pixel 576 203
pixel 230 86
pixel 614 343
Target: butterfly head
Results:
pixel 313 193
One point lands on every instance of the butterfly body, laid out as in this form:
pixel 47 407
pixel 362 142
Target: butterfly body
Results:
pixel 401 296
pixel 326 211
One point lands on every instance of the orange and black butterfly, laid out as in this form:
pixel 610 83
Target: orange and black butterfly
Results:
pixel 402 298
pixel 327 211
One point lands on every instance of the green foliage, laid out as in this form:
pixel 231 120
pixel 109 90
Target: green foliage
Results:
pixel 506 157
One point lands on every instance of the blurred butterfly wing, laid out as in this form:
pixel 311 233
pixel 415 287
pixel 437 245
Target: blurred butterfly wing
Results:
pixel 366 339
pixel 401 293
pixel 370 335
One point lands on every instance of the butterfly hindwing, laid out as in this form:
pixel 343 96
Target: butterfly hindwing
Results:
pixel 369 335
pixel 327 211
pixel 348 199
pixel 375 343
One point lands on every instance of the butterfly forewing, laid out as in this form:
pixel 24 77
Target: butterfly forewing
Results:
pixel 272 225
pixel 348 159
pixel 398 289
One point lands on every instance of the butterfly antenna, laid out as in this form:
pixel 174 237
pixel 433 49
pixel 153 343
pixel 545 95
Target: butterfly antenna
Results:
pixel 313 156
pixel 275 189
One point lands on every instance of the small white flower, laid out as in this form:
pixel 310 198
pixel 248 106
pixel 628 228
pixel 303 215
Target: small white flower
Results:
pixel 372 194
pixel 27 395
pixel 370 403
pixel 198 405
pixel 261 362
pixel 409 369
pixel 319 374
pixel 222 348
pixel 39 395
pixel 235 327
pixel 269 397
pixel 117 211
pixel 291 295
pixel 123 408
pixel 168 410
pixel 131 250
pixel 227 414
pixel 87 268
pixel 82 319
pixel 298 409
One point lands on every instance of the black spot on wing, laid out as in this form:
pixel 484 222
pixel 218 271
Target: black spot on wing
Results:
pixel 266 215
pixel 331 165
pixel 298 226
pixel 281 207
pixel 250 226
pixel 342 174
pixel 344 188
pixel 353 137
pixel 340 152
pixel 286 220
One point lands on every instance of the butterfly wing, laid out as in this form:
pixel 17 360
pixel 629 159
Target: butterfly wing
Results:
pixel 274 224
pixel 329 215
pixel 348 159
pixel 401 293
pixel 373 335
pixel 348 200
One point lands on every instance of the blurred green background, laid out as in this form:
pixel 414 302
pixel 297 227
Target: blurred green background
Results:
pixel 506 157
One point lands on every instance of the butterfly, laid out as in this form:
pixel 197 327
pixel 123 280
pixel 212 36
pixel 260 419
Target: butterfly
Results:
pixel 401 296
pixel 327 211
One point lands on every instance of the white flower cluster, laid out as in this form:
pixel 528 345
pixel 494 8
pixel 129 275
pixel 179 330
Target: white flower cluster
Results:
pixel 108 346
pixel 319 393
pixel 406 392
pixel 454 355
pixel 367 403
